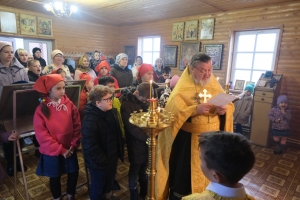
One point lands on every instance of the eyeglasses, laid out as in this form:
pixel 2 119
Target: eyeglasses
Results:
pixel 108 99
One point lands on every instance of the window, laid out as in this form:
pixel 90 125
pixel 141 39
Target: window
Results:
pixel 149 49
pixel 254 53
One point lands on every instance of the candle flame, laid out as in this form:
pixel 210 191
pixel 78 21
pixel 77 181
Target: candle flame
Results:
pixel 150 81
pixel 217 78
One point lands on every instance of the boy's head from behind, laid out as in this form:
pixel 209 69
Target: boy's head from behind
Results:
pixel 166 72
pixel 142 92
pixel 225 157
pixel 107 81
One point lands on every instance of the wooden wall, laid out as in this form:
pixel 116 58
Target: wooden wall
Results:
pixel 75 37
pixel 286 15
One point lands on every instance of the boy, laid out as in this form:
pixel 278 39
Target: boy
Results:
pixel 166 74
pixel 34 70
pixel 225 159
pixel 243 108
pixel 136 139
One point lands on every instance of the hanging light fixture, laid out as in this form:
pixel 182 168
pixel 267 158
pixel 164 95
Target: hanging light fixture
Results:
pixel 60 9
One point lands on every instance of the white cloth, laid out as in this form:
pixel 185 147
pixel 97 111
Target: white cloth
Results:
pixel 224 191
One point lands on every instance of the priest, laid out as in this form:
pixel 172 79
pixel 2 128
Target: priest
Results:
pixel 178 161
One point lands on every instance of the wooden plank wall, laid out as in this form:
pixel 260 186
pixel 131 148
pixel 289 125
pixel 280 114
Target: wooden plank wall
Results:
pixel 75 37
pixel 249 19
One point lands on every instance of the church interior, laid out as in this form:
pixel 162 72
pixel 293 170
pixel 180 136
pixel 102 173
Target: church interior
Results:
pixel 116 26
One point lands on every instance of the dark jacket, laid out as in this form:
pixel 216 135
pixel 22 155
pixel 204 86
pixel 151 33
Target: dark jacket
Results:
pixel 135 136
pixel 102 141
pixel 42 61
pixel 32 76
pixel 123 76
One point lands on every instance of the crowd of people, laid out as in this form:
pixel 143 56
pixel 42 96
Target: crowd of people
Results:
pixel 101 124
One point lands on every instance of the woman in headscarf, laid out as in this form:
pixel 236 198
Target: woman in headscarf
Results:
pixel 158 69
pixel 121 72
pixel 138 62
pixel 57 57
pixel 22 56
pixel 84 66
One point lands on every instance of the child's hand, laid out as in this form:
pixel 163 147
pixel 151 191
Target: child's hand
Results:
pixel 13 137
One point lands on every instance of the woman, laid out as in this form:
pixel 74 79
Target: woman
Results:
pixel 95 59
pixel 10 71
pixel 58 59
pixel 121 72
pixel 84 66
pixel 22 56
pixel 158 69
pixel 138 62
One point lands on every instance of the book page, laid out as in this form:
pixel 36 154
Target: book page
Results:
pixel 221 99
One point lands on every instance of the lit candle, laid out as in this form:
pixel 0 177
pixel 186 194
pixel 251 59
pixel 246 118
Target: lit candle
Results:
pixel 217 78
pixel 150 97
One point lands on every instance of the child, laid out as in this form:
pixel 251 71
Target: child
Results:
pixel 168 89
pixel 280 117
pixel 224 166
pixel 243 108
pixel 57 127
pixel 102 142
pixel 84 96
pixel 166 75
pixel 136 139
pixel 60 71
pixel 103 69
pixel 34 70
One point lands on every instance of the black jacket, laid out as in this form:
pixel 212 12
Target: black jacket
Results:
pixel 123 76
pixel 42 61
pixel 102 141
pixel 135 137
pixel 32 76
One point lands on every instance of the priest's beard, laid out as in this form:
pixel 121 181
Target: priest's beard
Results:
pixel 202 82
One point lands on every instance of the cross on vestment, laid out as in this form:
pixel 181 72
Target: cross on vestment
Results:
pixel 204 95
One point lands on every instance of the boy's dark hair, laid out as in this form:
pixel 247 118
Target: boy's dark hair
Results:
pixel 166 70
pixel 229 154
pixel 104 80
pixel 144 90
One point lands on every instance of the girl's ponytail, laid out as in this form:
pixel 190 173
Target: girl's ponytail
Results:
pixel 45 109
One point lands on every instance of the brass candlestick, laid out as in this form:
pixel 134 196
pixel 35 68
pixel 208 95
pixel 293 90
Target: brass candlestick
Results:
pixel 153 122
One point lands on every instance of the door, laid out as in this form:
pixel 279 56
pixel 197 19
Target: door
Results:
pixel 44 45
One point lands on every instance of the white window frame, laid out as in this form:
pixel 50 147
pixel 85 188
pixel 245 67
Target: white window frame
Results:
pixel 141 43
pixel 236 37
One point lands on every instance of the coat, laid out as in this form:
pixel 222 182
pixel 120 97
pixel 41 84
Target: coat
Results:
pixel 14 73
pixel 102 141
pixel 135 137
pixel 123 76
pixel 32 76
pixel 243 110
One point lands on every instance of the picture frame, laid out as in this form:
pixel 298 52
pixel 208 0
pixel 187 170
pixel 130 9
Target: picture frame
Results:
pixel 8 22
pixel 262 83
pixel 207 29
pixel 191 30
pixel 45 27
pixel 215 51
pixel 130 52
pixel 187 50
pixel 177 31
pixel 239 85
pixel 27 24
pixel 170 55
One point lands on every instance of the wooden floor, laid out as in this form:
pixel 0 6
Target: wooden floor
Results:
pixel 273 177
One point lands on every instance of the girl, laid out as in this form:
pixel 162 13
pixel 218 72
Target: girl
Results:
pixel 280 117
pixel 84 96
pixel 102 142
pixel 61 72
pixel 57 129
pixel 58 62
pixel 10 71
pixel 84 67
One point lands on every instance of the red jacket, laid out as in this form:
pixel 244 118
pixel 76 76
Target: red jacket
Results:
pixel 82 102
pixel 61 131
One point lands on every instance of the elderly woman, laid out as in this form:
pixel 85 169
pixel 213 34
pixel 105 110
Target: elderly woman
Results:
pixel 84 66
pixel 121 72
pixel 158 69
pixel 58 59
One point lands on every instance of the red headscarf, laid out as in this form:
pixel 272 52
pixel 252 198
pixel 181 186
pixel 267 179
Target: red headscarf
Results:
pixel 143 69
pixel 103 63
pixel 85 76
pixel 44 83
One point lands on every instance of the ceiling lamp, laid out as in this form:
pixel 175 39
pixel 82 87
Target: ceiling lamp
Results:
pixel 60 9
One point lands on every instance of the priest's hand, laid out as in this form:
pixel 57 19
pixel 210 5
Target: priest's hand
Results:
pixel 221 110
pixel 203 108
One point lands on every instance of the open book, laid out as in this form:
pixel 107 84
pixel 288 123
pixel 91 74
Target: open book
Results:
pixel 221 99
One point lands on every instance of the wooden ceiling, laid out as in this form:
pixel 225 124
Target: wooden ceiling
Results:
pixel 126 12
